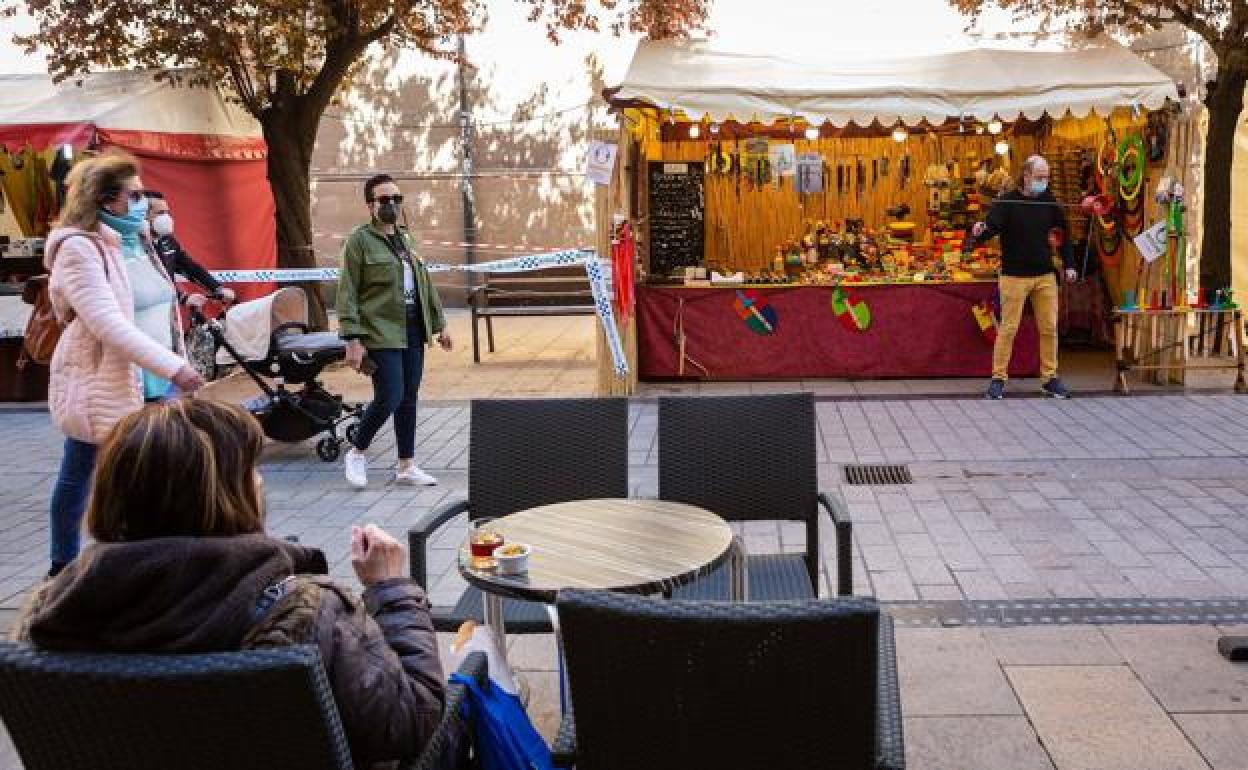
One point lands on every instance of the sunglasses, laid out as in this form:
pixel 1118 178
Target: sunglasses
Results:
pixel 384 199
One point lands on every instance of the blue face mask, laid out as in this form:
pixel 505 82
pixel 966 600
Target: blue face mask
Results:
pixel 1038 186
pixel 138 209
pixel 128 224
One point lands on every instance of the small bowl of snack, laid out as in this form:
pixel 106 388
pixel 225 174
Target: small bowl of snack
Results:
pixel 512 558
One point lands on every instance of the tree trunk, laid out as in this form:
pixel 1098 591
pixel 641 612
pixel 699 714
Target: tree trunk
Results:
pixel 290 142
pixel 1225 101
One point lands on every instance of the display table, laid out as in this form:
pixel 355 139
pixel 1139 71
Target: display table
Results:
pixel 916 330
pixel 31 383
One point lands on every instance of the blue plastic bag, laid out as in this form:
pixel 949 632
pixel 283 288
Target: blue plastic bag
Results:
pixel 503 737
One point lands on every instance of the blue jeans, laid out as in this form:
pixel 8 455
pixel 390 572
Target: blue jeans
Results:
pixel 396 384
pixel 69 501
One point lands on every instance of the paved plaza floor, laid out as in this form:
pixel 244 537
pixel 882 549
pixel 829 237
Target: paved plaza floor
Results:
pixel 1060 571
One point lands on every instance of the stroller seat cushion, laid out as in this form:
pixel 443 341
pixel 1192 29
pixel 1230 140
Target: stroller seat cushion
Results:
pixel 316 342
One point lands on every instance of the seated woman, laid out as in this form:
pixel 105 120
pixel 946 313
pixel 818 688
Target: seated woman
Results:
pixel 181 564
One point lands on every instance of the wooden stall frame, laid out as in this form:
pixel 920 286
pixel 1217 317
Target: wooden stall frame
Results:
pixel 1168 341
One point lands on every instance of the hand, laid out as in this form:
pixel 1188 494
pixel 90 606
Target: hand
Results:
pixel 978 229
pixel 1071 275
pixel 227 295
pixel 196 301
pixel 375 556
pixel 188 380
pixel 444 341
pixel 355 354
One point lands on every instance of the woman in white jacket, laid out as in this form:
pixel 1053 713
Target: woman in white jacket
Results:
pixel 104 362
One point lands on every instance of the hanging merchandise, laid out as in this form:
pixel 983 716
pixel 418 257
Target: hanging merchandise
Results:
pixel 783 159
pixel 853 314
pixel 756 161
pixel 1130 177
pixel 810 173
pixel 986 321
pixel 1158 137
pixel 623 258
pixel 758 315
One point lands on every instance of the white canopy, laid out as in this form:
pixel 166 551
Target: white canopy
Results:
pixel 128 100
pixel 693 77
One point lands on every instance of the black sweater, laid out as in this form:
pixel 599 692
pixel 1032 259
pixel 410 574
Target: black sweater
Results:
pixel 1023 224
pixel 176 260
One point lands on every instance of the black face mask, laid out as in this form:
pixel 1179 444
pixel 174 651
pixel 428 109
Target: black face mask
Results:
pixel 388 213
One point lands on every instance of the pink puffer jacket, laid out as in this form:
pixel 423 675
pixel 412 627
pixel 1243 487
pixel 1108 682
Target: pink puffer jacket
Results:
pixel 94 379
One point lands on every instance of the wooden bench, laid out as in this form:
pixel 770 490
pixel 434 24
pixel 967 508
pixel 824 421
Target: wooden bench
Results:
pixel 554 292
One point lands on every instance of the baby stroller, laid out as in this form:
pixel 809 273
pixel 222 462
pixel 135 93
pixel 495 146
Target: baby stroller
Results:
pixel 269 339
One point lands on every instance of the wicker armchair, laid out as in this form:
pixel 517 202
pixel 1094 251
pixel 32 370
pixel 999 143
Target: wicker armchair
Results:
pixel 525 453
pixel 248 710
pixel 752 458
pixel 673 685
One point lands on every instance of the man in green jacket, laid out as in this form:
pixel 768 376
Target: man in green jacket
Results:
pixel 388 311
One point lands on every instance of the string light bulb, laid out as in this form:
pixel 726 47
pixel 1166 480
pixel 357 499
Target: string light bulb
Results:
pixel 812 133
pixel 995 127
pixel 714 129
pixel 694 131
pixel 900 134
pixel 1002 148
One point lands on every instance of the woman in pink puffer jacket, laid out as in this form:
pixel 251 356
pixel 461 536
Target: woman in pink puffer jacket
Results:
pixel 95 377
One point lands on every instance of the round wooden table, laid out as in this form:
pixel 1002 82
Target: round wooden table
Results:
pixel 635 546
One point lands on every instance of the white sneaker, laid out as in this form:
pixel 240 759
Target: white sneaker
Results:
pixel 413 476
pixel 356 465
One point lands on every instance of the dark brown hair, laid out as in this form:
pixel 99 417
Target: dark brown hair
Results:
pixel 185 467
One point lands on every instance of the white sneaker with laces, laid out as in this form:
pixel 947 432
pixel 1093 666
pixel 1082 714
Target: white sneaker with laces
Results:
pixel 356 465
pixel 413 476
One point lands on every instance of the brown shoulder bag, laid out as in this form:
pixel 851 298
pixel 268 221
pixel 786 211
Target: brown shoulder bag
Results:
pixel 44 329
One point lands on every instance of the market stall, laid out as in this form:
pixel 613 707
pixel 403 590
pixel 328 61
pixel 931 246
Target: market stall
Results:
pixel 202 151
pixel 801 219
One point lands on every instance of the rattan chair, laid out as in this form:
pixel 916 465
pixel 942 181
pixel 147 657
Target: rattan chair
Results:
pixel 525 453
pixel 690 684
pixel 752 458
pixel 257 709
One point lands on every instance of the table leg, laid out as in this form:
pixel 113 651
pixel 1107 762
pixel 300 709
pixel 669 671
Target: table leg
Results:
pixel 738 571
pixel 493 607
pixel 553 612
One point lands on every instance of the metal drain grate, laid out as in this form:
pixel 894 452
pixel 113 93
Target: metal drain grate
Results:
pixel 877 474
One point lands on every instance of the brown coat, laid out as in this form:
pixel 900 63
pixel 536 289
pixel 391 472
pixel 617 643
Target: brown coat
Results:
pixel 200 595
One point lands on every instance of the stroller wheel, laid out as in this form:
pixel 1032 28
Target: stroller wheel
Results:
pixel 329 449
pixel 352 430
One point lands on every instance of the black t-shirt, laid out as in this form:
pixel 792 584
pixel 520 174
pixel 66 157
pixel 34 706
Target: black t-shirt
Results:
pixel 1024 224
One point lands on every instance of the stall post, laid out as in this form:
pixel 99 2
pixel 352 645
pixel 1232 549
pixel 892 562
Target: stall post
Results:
pixel 607 200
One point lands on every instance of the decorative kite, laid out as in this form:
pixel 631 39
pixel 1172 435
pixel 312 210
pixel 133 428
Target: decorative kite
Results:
pixel 854 315
pixel 754 310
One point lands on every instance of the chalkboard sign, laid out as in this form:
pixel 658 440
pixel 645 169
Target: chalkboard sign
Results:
pixel 677 211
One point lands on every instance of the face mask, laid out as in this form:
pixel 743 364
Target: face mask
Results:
pixel 162 224
pixel 138 209
pixel 1038 186
pixel 388 213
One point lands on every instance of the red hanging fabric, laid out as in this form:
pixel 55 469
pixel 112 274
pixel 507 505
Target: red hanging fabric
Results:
pixel 623 257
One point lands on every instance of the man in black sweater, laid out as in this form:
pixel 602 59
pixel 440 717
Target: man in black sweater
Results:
pixel 1028 220
pixel 175 258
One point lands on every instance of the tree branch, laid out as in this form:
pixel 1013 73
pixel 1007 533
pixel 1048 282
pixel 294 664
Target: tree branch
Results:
pixel 1195 23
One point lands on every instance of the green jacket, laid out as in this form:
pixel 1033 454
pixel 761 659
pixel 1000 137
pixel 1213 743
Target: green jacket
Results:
pixel 370 292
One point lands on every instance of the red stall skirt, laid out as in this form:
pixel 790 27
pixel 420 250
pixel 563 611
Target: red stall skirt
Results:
pixel 916 330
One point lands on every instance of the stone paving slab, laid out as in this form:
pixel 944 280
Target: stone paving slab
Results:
pixel 973 743
pixel 1221 738
pixel 1100 718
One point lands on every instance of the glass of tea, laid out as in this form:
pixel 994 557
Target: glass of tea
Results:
pixel 482 542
